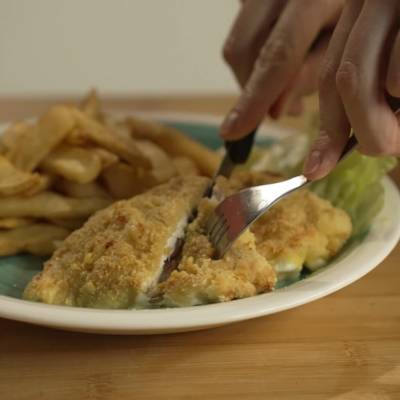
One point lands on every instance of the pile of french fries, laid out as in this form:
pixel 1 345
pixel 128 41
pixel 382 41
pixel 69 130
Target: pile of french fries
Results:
pixel 74 160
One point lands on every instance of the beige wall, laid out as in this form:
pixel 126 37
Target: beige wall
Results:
pixel 120 46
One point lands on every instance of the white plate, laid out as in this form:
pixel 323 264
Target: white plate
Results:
pixel 354 263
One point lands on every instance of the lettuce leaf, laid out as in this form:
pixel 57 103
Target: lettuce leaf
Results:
pixel 355 186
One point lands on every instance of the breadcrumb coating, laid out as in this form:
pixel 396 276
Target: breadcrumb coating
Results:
pixel 303 230
pixel 115 260
pixel 300 230
pixel 200 279
pixel 118 254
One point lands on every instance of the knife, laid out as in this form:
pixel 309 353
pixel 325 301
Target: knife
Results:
pixel 237 152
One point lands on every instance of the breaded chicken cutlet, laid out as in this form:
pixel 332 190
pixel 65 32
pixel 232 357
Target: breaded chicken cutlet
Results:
pixel 119 253
pixel 300 230
pixel 118 258
pixel 200 279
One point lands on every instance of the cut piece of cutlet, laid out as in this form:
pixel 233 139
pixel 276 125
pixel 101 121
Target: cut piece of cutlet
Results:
pixel 200 279
pixel 113 260
pixel 300 230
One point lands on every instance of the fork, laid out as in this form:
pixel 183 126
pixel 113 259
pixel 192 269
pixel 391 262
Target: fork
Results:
pixel 237 212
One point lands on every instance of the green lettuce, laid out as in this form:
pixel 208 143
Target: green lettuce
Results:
pixel 355 186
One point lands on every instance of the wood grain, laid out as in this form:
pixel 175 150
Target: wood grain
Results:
pixel 345 346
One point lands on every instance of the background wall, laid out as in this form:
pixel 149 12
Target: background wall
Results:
pixel 120 46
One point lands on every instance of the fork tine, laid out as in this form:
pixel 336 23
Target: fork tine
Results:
pixel 238 211
pixel 222 245
pixel 221 237
pixel 216 225
pixel 219 233
pixel 211 223
pixel 219 228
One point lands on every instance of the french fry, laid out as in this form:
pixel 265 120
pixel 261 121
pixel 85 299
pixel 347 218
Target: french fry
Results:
pixel 91 105
pixel 185 166
pixel 11 223
pixel 125 148
pixel 162 165
pixel 13 181
pixel 175 143
pixel 50 205
pixel 68 223
pixel 44 183
pixel 76 137
pixel 39 239
pixel 123 181
pixel 34 144
pixel 80 190
pixel 11 136
pixel 117 125
pixel 74 163
pixel 106 157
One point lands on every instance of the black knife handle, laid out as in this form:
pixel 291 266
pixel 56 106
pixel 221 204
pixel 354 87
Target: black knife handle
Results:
pixel 393 102
pixel 239 150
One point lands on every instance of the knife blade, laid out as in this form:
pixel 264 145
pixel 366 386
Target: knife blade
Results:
pixel 237 152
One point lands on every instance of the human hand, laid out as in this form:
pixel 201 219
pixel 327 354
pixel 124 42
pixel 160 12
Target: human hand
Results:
pixel 361 68
pixel 275 55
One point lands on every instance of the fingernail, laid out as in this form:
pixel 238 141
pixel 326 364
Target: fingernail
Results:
pixel 313 162
pixel 229 124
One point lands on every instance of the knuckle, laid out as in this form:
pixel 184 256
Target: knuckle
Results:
pixel 323 140
pixel 277 53
pixel 231 52
pixel 383 149
pixel 327 77
pixel 375 149
pixel 378 145
pixel 347 79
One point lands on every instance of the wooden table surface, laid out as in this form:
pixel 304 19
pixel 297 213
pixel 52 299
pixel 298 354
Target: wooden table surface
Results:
pixel 345 346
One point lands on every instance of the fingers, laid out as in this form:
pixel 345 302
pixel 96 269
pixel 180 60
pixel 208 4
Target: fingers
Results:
pixel 280 58
pixel 359 79
pixel 334 125
pixel 248 34
pixel 358 85
pixel 306 81
pixel 393 75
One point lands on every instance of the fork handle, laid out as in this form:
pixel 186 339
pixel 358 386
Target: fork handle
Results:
pixel 239 150
pixel 350 145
